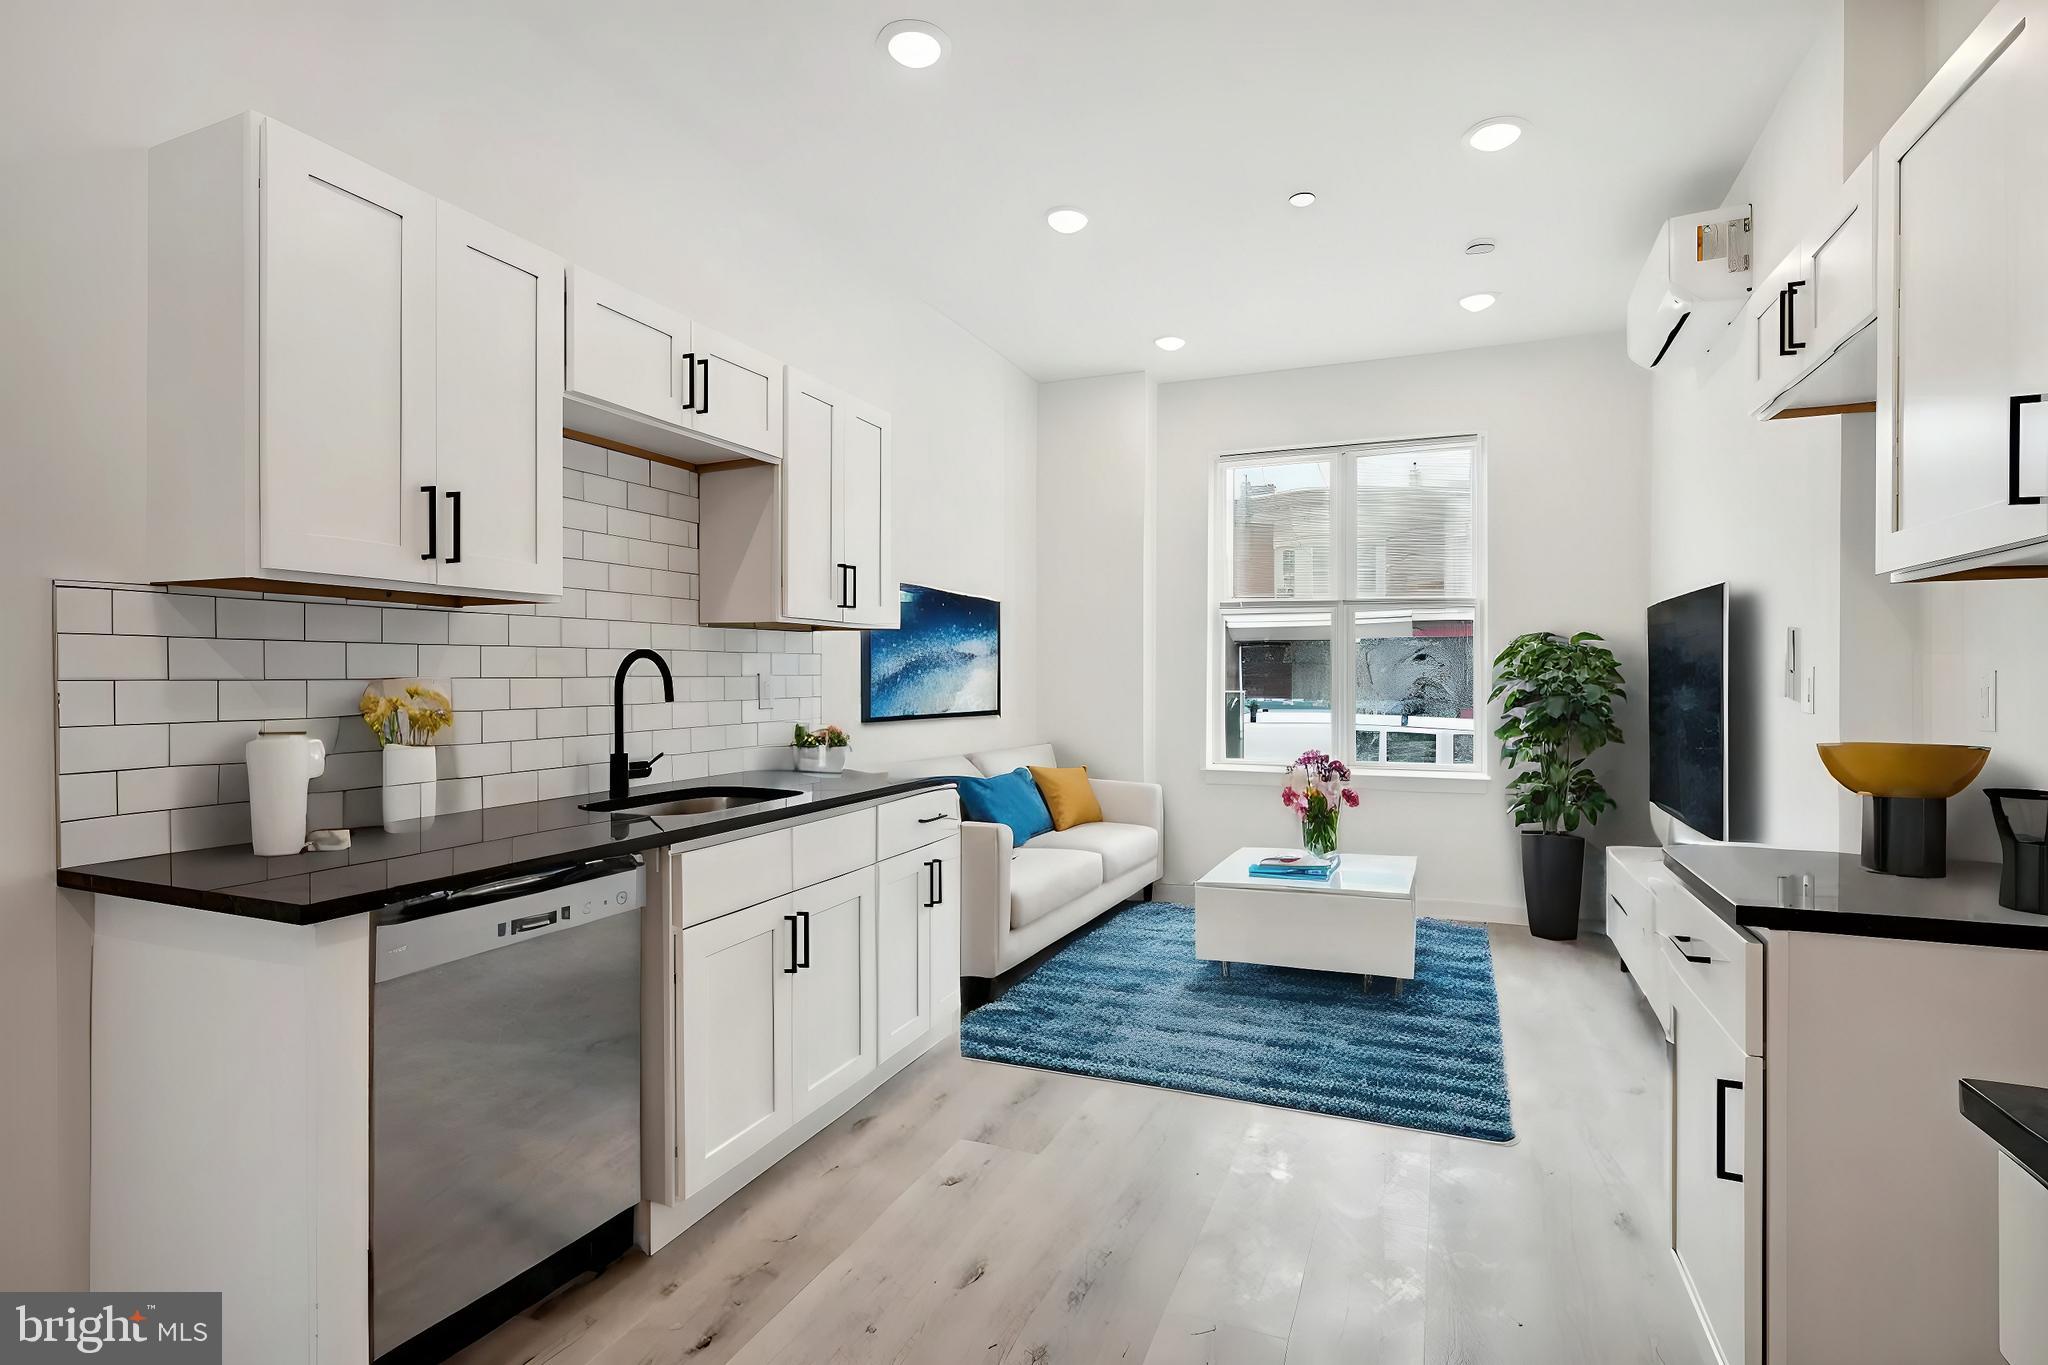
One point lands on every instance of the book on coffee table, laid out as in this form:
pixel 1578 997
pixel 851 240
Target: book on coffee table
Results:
pixel 1296 867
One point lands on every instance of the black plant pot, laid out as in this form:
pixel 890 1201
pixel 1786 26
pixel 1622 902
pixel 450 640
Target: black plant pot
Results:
pixel 1553 866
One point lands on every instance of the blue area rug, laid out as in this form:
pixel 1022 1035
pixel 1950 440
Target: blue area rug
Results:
pixel 1129 1001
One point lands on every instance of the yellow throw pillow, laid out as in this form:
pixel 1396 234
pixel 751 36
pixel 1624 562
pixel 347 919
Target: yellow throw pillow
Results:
pixel 1068 796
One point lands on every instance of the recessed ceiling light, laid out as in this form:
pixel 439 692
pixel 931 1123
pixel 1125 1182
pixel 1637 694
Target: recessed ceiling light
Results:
pixel 1069 220
pixel 1491 135
pixel 1477 303
pixel 1301 199
pixel 1480 246
pixel 1169 343
pixel 913 43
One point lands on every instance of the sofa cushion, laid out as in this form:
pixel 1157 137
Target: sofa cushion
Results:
pixel 1011 799
pixel 948 765
pixel 1123 848
pixel 1043 880
pixel 1067 795
pixel 993 761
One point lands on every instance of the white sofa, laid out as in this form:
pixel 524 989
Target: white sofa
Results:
pixel 1015 901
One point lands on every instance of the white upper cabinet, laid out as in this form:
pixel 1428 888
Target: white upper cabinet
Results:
pixel 346 365
pixel 1813 348
pixel 498 445
pixel 645 376
pixel 808 542
pixel 738 393
pixel 351 385
pixel 1963 288
pixel 625 352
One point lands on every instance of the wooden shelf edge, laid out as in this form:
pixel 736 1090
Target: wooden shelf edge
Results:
pixel 353 593
pixel 1825 410
pixel 606 443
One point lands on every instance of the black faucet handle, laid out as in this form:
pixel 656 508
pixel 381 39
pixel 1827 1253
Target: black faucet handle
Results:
pixel 644 767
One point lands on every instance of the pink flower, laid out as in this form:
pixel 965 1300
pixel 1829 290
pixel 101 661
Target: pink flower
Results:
pixel 1351 798
pixel 1289 797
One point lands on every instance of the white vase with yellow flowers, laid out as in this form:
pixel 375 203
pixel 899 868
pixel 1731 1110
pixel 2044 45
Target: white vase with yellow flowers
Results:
pixel 405 715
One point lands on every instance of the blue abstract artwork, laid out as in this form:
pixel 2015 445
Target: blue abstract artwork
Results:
pixel 944 660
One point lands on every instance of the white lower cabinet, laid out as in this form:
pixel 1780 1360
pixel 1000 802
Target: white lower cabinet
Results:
pixel 832 990
pixel 945 922
pixel 734 981
pixel 1712 1080
pixel 903 987
pixel 783 1011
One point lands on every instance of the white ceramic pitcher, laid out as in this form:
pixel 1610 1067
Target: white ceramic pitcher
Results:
pixel 281 762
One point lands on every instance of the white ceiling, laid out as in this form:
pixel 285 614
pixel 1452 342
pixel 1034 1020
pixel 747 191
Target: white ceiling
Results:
pixel 1181 128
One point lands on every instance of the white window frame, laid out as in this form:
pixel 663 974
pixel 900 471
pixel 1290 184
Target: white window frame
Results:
pixel 1343 612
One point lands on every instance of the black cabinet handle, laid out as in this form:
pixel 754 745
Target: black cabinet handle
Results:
pixel 704 404
pixel 931 882
pixel 843 570
pixel 941 899
pixel 1721 1089
pixel 1792 316
pixel 1687 938
pixel 455 506
pixel 927 819
pixel 855 603
pixel 805 916
pixel 433 492
pixel 790 970
pixel 690 373
pixel 2013 496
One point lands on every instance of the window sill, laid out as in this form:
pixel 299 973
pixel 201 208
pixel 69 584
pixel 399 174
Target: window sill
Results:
pixel 1463 783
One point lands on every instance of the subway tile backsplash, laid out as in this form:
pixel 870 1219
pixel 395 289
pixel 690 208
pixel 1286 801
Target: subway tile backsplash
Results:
pixel 159 690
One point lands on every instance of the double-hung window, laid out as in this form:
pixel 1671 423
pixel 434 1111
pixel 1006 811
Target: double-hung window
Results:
pixel 1347 597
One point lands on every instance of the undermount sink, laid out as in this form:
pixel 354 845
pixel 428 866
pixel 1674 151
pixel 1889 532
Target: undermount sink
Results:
pixel 701 801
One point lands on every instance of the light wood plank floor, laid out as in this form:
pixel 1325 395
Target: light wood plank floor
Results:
pixel 968 1212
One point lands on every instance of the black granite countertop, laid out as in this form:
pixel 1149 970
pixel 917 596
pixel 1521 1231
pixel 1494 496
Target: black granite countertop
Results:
pixel 2016 1117
pixel 1831 893
pixel 462 849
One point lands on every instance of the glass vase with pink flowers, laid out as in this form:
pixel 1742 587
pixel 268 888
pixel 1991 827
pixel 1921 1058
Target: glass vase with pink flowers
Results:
pixel 1316 791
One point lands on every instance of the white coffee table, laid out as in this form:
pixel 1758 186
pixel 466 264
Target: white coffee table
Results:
pixel 1362 920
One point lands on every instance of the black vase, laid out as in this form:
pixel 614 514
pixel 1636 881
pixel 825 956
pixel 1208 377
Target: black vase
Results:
pixel 1553 867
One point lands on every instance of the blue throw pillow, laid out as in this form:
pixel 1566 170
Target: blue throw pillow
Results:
pixel 1011 799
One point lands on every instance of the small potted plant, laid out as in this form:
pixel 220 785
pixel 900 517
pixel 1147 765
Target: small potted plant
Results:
pixel 405 715
pixel 1557 700
pixel 822 750
pixel 1316 792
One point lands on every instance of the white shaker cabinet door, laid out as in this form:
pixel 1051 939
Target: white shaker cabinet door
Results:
pixel 945 927
pixel 739 393
pixel 814 585
pixel 1963 187
pixel 903 948
pixel 347 366
pixel 832 1003
pixel 861 491
pixel 499 409
pixel 1716 1176
pixel 626 351
pixel 733 1020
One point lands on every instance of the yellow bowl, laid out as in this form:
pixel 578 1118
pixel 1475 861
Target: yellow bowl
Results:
pixel 1920 771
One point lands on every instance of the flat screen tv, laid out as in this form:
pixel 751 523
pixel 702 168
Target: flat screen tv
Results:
pixel 1689 709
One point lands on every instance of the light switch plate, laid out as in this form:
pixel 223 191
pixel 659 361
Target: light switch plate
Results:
pixel 1984 698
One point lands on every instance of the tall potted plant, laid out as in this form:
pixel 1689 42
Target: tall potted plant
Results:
pixel 1557 700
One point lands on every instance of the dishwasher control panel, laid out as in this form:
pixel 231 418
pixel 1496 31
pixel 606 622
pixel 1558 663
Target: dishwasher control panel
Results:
pixel 431 940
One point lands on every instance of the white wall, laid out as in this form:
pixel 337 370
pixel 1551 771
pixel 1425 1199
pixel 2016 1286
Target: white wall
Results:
pixel 1095 455
pixel 1564 424
pixel 459 101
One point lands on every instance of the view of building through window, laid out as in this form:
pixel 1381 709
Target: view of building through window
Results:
pixel 1407 624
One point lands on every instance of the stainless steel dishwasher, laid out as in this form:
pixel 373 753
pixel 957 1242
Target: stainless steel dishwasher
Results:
pixel 504 1100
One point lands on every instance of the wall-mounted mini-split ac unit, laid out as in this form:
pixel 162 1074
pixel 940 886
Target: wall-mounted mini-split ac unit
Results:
pixel 1694 281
